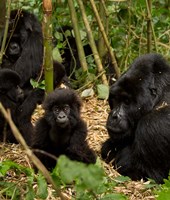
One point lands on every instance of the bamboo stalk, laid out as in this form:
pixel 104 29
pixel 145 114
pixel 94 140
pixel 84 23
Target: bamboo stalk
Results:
pixel 151 24
pixel 92 43
pixel 101 44
pixel 149 28
pixel 110 50
pixel 5 31
pixel 47 31
pixel 79 45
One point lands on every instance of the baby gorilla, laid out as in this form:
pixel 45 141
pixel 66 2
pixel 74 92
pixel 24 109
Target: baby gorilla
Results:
pixel 61 130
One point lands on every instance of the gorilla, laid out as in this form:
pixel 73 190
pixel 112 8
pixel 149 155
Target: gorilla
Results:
pixel 138 124
pixel 24 51
pixel 61 130
pixel 21 108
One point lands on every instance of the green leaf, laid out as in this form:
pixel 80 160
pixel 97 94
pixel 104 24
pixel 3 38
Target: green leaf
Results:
pixel 57 55
pixel 30 193
pixel 42 187
pixel 87 93
pixel 164 195
pixel 58 35
pixel 103 91
pixel 69 170
pixel 122 179
pixel 4 168
pixel 92 176
pixel 36 84
pixel 83 34
pixel 9 189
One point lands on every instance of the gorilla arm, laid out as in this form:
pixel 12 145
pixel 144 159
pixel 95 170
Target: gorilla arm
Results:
pixel 147 156
pixel 25 112
pixel 78 148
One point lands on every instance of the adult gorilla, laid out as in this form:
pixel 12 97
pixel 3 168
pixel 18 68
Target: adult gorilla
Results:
pixel 24 50
pixel 139 121
pixel 24 53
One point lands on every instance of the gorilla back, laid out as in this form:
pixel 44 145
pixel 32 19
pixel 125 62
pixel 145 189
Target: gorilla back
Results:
pixel 139 121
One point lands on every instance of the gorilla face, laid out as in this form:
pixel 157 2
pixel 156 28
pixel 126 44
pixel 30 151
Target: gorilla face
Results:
pixel 61 114
pixel 131 97
pixel 118 119
pixel 14 48
pixel 15 94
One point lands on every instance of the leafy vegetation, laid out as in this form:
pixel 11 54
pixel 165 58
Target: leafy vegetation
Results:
pixel 86 182
pixel 18 189
pixel 164 191
pixel 127 33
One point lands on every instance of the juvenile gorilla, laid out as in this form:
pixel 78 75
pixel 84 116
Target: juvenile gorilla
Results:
pixel 12 97
pixel 139 121
pixel 61 130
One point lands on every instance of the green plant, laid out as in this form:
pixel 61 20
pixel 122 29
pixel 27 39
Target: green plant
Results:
pixel 88 181
pixel 164 190
pixel 21 189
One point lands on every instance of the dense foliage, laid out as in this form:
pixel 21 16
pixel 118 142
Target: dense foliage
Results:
pixel 127 28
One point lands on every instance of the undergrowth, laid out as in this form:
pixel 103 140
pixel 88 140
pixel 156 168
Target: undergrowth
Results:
pixel 86 182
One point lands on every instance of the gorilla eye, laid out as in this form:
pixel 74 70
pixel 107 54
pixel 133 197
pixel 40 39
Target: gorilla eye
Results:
pixel 56 109
pixel 66 108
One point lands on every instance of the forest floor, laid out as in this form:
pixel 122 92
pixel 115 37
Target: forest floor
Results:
pixel 95 113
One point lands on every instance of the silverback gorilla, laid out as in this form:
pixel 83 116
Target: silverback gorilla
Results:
pixel 61 130
pixel 139 121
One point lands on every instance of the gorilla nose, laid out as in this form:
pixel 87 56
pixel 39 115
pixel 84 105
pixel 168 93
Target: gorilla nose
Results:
pixel 62 117
pixel 116 115
pixel 14 46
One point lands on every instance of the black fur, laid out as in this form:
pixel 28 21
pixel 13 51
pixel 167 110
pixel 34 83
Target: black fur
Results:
pixel 27 42
pixel 58 138
pixel 139 121
pixel 12 97
pixel 24 50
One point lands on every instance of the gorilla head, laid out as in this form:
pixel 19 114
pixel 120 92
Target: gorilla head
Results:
pixel 137 92
pixel 139 121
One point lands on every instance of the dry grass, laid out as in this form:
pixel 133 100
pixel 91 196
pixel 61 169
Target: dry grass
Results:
pixel 95 114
